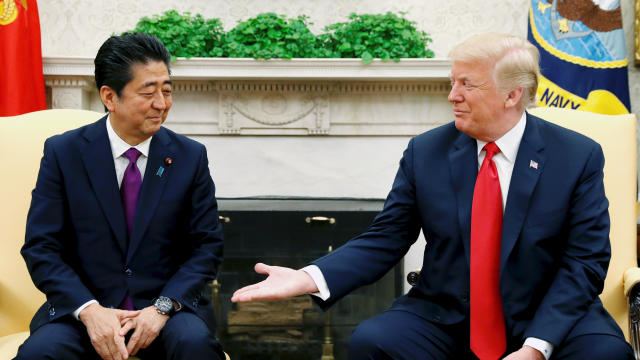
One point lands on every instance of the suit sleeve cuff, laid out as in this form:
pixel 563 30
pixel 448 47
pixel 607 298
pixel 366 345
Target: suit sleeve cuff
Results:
pixel 317 277
pixel 545 347
pixel 76 314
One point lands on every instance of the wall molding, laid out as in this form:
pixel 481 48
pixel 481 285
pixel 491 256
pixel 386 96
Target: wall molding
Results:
pixel 276 69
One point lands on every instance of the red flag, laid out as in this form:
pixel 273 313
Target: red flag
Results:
pixel 21 80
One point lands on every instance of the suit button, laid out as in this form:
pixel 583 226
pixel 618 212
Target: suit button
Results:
pixel 464 298
pixel 52 312
pixel 128 272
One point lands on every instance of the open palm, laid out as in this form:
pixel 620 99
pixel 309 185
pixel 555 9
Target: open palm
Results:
pixel 281 283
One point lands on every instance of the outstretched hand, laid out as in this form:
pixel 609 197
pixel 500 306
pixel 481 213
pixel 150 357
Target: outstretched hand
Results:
pixel 281 283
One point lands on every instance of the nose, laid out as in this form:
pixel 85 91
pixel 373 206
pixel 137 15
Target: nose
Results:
pixel 454 95
pixel 159 102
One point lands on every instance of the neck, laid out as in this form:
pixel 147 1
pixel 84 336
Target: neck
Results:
pixel 509 120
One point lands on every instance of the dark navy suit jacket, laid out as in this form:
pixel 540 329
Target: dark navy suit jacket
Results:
pixel 555 238
pixel 76 245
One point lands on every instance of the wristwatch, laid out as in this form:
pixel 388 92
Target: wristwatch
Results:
pixel 165 306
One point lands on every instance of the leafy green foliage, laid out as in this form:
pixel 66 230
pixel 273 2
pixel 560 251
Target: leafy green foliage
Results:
pixel 185 35
pixel 385 36
pixel 271 36
pixel 266 36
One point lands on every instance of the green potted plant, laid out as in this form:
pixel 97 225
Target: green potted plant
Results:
pixel 185 35
pixel 368 36
pixel 269 36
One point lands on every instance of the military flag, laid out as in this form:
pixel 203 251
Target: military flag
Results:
pixel 583 57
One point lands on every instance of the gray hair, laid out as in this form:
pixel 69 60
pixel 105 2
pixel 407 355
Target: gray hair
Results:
pixel 515 62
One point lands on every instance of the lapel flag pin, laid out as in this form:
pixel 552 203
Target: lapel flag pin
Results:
pixel 168 161
pixel 160 171
pixel 533 164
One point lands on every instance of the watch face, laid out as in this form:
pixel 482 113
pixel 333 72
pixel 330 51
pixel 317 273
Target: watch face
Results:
pixel 164 304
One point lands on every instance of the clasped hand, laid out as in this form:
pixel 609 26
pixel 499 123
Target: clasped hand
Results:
pixel 107 329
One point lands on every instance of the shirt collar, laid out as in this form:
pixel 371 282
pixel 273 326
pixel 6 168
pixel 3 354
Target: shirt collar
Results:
pixel 119 146
pixel 509 142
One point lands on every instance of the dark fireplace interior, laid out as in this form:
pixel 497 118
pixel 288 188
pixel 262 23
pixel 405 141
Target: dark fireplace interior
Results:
pixel 291 233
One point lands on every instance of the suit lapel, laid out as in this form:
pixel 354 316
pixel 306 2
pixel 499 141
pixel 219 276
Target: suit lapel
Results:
pixel 463 159
pixel 98 161
pixel 153 184
pixel 523 182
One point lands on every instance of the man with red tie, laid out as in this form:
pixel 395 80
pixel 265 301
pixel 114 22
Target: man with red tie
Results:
pixel 123 233
pixel 516 225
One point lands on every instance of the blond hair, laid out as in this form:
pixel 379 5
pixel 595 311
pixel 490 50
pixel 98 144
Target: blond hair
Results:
pixel 514 60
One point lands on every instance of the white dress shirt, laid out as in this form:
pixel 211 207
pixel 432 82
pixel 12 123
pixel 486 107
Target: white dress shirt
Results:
pixel 118 148
pixel 505 160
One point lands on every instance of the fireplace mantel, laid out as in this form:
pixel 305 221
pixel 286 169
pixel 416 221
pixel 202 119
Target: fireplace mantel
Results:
pixel 341 97
pixel 276 69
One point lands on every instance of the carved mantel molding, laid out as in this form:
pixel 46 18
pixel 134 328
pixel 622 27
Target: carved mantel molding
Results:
pixel 250 69
pixel 221 96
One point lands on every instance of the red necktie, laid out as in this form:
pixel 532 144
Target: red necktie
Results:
pixel 487 318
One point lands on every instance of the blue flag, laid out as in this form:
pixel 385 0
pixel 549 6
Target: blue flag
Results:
pixel 583 59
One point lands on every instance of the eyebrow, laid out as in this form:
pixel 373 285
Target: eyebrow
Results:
pixel 152 83
pixel 461 77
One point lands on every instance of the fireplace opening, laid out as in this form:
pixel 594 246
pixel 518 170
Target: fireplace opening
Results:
pixel 292 232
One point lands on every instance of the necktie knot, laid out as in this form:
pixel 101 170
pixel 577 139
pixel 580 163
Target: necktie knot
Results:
pixel 491 149
pixel 132 154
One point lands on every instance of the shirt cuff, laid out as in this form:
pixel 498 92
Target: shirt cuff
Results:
pixel 317 277
pixel 545 347
pixel 76 314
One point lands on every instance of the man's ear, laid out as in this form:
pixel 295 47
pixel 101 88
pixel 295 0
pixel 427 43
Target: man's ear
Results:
pixel 513 98
pixel 108 97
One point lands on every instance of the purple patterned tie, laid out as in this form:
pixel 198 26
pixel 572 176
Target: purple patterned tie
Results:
pixel 129 190
pixel 130 187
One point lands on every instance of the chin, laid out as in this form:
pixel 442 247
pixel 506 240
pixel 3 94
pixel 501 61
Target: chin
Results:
pixel 460 123
pixel 466 128
pixel 153 129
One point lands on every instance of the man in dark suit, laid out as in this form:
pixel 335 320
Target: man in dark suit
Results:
pixel 122 233
pixel 516 223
